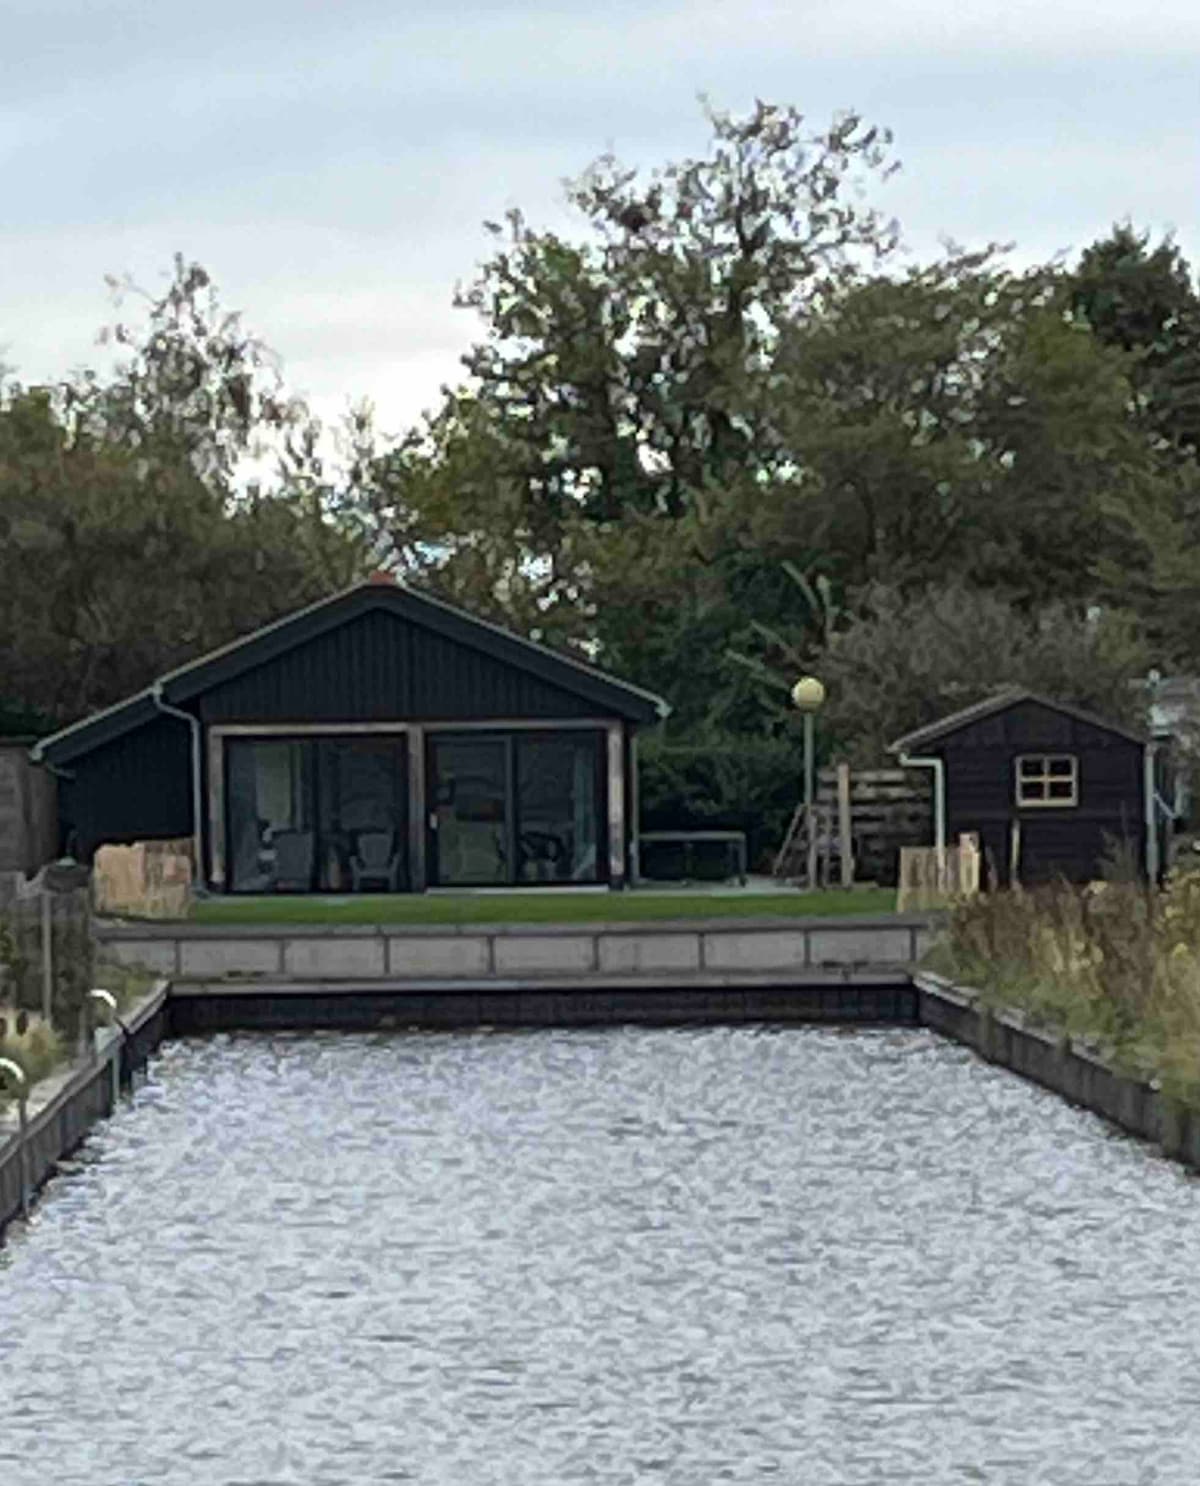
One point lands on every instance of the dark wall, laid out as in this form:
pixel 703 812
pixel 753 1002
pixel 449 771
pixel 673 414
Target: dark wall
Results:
pixel 1070 841
pixel 381 667
pixel 28 812
pixel 136 788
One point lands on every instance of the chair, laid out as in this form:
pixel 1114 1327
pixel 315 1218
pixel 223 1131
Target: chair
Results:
pixel 375 860
pixel 293 859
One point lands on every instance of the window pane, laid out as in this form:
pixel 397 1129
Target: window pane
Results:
pixel 1060 789
pixel 471 811
pixel 362 794
pixel 1062 767
pixel 1030 767
pixel 271 836
pixel 557 809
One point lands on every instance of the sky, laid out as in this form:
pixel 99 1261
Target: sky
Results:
pixel 331 162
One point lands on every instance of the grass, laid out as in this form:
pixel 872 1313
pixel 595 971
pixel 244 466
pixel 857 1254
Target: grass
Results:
pixel 1116 962
pixel 31 1044
pixel 538 908
pixel 41 1050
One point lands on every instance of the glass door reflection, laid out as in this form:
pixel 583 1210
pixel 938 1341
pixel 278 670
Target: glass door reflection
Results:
pixel 471 819
pixel 362 815
pixel 318 814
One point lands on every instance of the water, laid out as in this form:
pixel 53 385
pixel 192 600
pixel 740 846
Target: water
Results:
pixel 628 1256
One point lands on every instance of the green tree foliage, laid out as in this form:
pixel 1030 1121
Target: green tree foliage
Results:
pixel 908 659
pixel 948 420
pixel 1144 300
pixel 127 543
pixel 627 370
pixel 622 381
pixel 723 380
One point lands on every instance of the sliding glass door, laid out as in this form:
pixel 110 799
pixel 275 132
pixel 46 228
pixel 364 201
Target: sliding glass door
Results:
pixel 317 814
pixel 515 808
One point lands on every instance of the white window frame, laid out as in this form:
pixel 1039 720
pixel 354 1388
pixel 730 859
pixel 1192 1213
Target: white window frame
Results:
pixel 1040 780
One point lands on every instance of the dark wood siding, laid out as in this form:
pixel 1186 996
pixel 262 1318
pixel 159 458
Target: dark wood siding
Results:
pixel 1070 841
pixel 136 788
pixel 380 667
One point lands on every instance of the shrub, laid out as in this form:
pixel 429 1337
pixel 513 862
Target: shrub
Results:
pixel 743 784
pixel 1115 960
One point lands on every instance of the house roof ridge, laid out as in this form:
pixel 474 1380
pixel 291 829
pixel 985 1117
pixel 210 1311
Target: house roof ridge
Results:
pixel 271 640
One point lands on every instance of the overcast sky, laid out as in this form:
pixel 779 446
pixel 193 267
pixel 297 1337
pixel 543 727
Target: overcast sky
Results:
pixel 331 161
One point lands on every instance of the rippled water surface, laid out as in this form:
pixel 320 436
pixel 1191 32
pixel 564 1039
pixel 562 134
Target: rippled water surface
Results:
pixel 622 1256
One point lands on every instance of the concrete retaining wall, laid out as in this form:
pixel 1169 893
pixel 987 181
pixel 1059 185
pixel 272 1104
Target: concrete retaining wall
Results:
pixel 300 1006
pixel 399 953
pixel 1067 1066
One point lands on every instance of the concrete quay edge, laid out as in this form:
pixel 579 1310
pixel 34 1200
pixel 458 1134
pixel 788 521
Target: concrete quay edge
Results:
pixel 119 929
pixel 1074 1068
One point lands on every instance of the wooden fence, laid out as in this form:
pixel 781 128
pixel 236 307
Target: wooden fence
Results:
pixel 150 879
pixel 882 811
pixel 933 878
pixel 889 809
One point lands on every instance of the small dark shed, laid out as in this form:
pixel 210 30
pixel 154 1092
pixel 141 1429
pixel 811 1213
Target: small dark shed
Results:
pixel 378 740
pixel 1049 789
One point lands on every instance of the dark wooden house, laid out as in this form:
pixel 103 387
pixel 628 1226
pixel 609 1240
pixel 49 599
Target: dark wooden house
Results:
pixel 380 740
pixel 1050 790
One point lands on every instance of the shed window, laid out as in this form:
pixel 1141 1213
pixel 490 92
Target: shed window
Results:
pixel 1047 779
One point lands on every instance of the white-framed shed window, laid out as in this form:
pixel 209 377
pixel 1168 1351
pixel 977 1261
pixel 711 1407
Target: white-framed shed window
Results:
pixel 1047 779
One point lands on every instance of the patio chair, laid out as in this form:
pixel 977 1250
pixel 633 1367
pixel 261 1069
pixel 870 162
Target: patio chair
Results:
pixel 293 859
pixel 375 860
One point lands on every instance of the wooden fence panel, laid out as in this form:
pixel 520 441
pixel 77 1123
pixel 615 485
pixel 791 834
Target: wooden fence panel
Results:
pixel 150 879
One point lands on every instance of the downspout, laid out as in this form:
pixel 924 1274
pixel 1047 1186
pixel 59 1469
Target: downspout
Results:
pixel 193 723
pixel 635 818
pixel 37 757
pixel 939 793
pixel 1151 813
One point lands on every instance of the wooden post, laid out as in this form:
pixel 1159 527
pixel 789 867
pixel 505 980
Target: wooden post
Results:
pixel 845 859
pixel 1014 854
pixel 47 956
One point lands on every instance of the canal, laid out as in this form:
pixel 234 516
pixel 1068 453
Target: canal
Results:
pixel 622 1256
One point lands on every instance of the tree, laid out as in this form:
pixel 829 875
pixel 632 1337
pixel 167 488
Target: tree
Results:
pixel 128 543
pixel 948 420
pixel 908 660
pixel 625 374
pixel 1144 300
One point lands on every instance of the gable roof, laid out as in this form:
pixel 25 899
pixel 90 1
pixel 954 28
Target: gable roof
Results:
pixel 611 696
pixel 1000 702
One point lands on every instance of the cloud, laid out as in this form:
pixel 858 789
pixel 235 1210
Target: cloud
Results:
pixel 331 164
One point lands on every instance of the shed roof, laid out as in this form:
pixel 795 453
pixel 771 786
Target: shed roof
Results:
pixel 934 732
pixel 611 696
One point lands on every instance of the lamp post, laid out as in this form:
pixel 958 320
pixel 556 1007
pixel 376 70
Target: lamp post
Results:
pixel 808 696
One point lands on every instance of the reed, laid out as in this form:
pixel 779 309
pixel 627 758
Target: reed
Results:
pixel 1115 961
pixel 30 1043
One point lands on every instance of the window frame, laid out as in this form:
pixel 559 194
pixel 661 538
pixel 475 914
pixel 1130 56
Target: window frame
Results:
pixel 1043 778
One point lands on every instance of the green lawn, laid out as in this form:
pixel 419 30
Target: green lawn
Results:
pixel 538 908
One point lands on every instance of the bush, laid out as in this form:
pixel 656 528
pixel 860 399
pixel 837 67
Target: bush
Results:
pixel 30 1043
pixel 742 784
pixel 1115 960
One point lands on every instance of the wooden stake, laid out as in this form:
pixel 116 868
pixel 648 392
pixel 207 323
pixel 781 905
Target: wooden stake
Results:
pixel 845 859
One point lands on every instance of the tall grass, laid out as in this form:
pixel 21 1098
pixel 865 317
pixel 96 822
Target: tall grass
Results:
pixel 31 1044
pixel 1116 961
